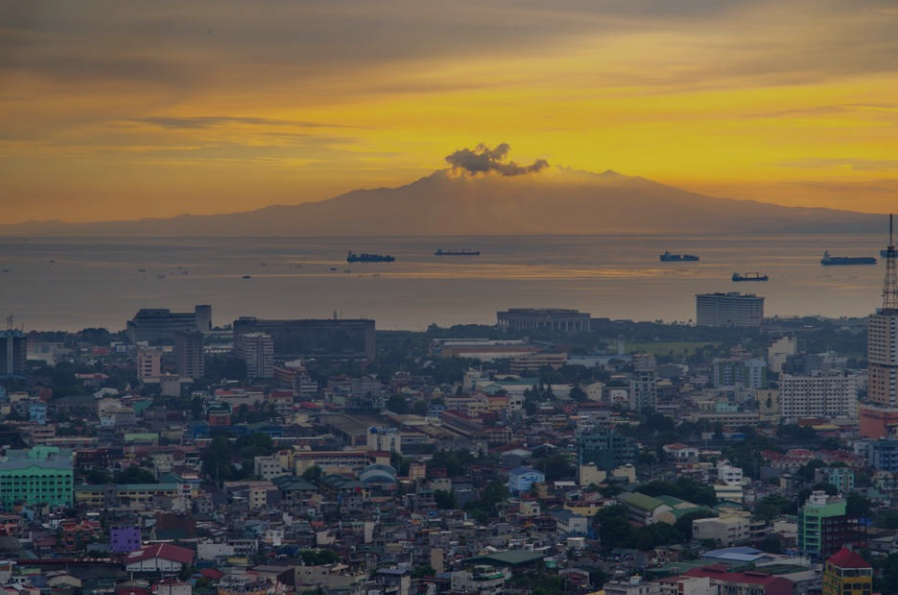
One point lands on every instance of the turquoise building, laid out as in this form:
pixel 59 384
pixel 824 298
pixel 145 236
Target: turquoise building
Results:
pixel 38 476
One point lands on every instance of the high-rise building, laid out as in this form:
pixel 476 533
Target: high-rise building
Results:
pixel 643 390
pixel 327 338
pixel 847 573
pixel 13 353
pixel 822 525
pixel 606 448
pixel 729 309
pixel 818 396
pixel 39 475
pixel 161 324
pixel 257 352
pixel 149 362
pixel 737 371
pixel 189 354
pixel 879 416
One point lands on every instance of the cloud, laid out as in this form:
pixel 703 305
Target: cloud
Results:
pixel 202 122
pixel 843 163
pixel 483 160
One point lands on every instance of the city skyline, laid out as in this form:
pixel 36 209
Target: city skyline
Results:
pixel 109 113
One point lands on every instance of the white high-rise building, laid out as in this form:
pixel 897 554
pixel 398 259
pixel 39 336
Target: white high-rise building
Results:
pixel 257 351
pixel 818 396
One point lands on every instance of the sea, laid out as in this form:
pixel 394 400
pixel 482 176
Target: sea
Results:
pixel 72 283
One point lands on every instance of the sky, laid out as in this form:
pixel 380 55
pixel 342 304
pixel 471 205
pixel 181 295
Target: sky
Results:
pixel 117 110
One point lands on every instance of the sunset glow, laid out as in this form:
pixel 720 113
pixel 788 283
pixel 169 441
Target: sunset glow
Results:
pixel 109 112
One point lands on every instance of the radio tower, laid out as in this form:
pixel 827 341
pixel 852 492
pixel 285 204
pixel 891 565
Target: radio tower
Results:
pixel 890 286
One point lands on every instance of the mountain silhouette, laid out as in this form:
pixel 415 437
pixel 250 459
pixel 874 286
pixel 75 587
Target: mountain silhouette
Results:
pixel 558 201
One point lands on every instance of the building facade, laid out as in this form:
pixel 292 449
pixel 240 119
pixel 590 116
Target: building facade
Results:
pixel 189 354
pixel 257 352
pixel 322 338
pixel 13 353
pixel 729 309
pixel 818 396
pixel 547 319
pixel 847 573
pixel 606 448
pixel 40 475
pixel 822 525
pixel 161 324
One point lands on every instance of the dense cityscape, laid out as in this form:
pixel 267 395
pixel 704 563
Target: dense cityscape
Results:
pixel 555 452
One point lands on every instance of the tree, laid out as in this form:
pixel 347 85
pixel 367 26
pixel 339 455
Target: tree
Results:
pixel 398 404
pixel 135 475
pixel 772 544
pixel 684 523
pixel 857 505
pixel 312 474
pixel 773 506
pixel 614 527
pixel 445 500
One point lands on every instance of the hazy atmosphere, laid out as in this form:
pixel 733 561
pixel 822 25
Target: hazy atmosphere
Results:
pixel 114 111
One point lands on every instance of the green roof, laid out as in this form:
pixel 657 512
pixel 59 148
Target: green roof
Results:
pixel 509 558
pixel 641 501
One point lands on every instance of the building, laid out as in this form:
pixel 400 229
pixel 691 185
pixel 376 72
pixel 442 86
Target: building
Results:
pixel 882 455
pixel 841 477
pixel 547 319
pixel 747 373
pixel 149 362
pixel 822 525
pixel 727 531
pixel 13 353
pixel 729 309
pixel 189 354
pixel 847 573
pixel 750 582
pixel 643 390
pixel 161 324
pixel 40 475
pixel 879 417
pixel 606 448
pixel 161 557
pixel 524 478
pixel 124 540
pixel 257 352
pixel 323 338
pixel 818 396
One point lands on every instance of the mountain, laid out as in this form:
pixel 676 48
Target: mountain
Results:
pixel 559 201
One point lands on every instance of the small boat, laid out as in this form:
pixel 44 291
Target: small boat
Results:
pixel 333 268
pixel 885 252
pixel 749 277
pixel 845 260
pixel 456 252
pixel 247 276
pixel 669 257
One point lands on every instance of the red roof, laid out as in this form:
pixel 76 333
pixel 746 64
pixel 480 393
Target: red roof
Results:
pixel 845 558
pixel 773 585
pixel 162 550
pixel 212 573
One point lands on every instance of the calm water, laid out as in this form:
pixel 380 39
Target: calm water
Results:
pixel 73 283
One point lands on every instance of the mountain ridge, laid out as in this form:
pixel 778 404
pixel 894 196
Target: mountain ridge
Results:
pixel 556 201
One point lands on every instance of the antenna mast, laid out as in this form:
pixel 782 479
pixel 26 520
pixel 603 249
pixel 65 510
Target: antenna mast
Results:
pixel 890 286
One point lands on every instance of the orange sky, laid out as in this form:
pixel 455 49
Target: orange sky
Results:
pixel 109 112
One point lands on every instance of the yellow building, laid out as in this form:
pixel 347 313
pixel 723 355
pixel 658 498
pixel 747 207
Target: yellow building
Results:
pixel 846 573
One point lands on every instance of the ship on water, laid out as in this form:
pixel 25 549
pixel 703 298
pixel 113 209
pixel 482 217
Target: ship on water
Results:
pixel 456 252
pixel 365 257
pixel 749 277
pixel 668 257
pixel 845 260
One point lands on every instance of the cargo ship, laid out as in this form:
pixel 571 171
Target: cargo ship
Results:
pixel 749 277
pixel 668 257
pixel 364 257
pixel 456 252
pixel 831 260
